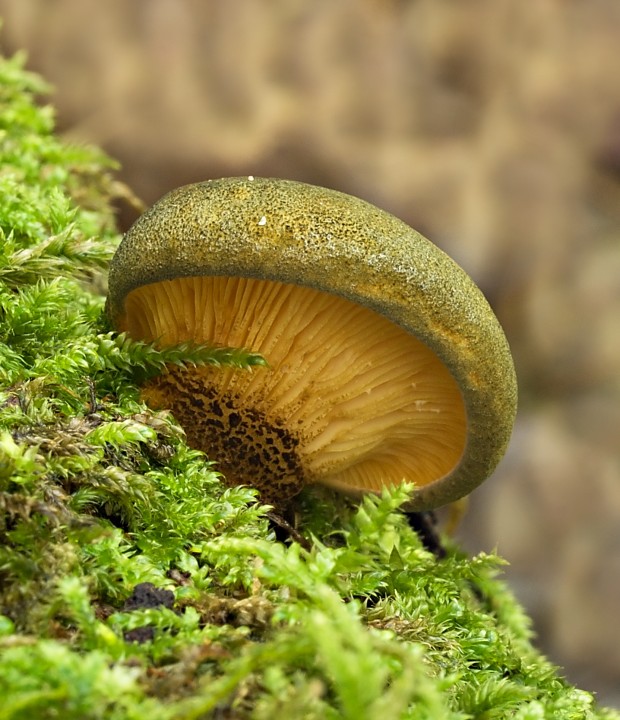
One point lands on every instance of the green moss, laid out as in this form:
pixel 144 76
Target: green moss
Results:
pixel 134 584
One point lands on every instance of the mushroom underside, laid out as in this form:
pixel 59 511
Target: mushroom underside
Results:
pixel 349 399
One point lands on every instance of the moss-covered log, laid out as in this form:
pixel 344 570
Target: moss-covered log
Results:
pixel 134 584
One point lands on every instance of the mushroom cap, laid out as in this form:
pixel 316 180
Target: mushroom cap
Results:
pixel 270 235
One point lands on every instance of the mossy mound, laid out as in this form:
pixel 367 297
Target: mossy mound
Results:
pixel 134 584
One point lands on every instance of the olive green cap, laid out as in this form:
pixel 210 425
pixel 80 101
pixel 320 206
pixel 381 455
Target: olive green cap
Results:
pixel 304 235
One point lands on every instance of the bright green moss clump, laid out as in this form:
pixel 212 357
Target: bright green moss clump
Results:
pixel 133 584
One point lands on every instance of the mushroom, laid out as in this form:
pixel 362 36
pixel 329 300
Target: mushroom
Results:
pixel 385 362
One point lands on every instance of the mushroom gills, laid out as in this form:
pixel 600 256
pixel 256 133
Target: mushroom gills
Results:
pixel 349 399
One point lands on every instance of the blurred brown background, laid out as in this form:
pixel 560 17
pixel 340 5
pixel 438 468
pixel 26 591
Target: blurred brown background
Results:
pixel 493 127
